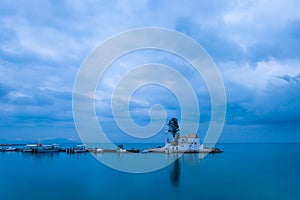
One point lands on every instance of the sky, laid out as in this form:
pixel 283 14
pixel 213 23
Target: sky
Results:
pixel 254 44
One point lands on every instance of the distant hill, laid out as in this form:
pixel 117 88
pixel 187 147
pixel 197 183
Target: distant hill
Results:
pixel 45 141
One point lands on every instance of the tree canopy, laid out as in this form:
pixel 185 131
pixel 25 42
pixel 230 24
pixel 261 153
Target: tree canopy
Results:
pixel 173 126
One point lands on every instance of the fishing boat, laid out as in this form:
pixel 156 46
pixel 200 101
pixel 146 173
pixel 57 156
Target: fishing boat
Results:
pixel 30 148
pixel 146 151
pixel 99 150
pixel 121 150
pixel 41 148
pixel 48 148
pixel 10 149
pixel 79 149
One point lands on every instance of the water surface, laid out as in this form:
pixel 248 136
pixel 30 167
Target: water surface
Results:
pixel 243 171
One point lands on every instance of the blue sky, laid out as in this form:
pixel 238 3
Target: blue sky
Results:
pixel 255 45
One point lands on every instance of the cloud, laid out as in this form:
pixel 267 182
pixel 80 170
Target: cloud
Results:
pixel 263 96
pixel 37 108
pixel 255 44
pixel 261 75
pixel 291 79
pixel 244 31
pixel 285 106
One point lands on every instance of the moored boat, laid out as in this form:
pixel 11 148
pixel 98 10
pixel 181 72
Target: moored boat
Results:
pixel 79 149
pixel 99 150
pixel 121 150
pixel 48 148
pixel 30 148
pixel 146 151
pixel 10 149
pixel 41 148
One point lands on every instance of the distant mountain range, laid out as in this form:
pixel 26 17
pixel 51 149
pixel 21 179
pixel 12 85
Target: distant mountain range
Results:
pixel 44 141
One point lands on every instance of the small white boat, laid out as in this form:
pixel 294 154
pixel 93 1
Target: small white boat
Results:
pixel 10 149
pixel 145 151
pixel 80 149
pixel 121 150
pixel 99 150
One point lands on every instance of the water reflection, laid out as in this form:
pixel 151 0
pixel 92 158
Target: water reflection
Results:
pixel 182 161
pixel 175 173
pixel 192 159
pixel 40 156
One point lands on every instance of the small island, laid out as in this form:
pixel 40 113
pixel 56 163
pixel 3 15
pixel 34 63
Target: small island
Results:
pixel 189 143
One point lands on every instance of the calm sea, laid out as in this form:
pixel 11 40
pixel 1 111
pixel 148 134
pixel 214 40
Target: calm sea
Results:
pixel 242 171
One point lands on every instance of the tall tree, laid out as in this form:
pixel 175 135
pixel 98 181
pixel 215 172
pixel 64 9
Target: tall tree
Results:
pixel 173 126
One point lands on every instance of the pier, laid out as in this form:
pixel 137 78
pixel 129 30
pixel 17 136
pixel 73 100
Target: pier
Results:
pixel 54 148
